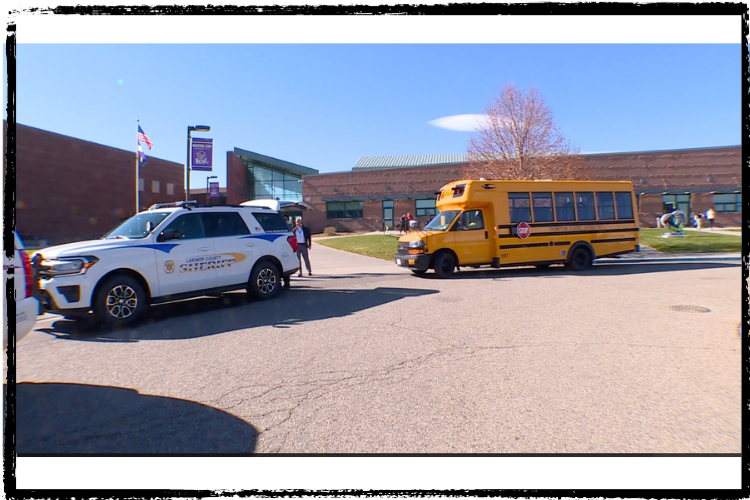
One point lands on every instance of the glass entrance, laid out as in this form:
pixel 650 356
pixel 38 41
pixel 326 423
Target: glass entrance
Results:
pixel 387 214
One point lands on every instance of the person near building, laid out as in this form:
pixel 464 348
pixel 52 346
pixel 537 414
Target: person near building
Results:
pixel 304 242
pixel 710 216
pixel 403 224
pixel 698 218
pixel 409 218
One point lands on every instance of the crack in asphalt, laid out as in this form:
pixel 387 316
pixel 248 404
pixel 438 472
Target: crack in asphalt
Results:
pixel 276 405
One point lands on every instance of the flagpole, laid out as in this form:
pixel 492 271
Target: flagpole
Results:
pixel 137 168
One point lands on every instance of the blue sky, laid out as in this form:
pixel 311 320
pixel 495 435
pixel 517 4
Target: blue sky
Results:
pixel 325 105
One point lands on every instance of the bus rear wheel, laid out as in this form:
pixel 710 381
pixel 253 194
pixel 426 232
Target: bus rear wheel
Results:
pixel 579 260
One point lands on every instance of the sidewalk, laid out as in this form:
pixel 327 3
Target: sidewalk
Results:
pixel 646 254
pixel 715 231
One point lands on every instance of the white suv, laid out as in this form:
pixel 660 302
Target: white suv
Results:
pixel 168 252
pixel 19 270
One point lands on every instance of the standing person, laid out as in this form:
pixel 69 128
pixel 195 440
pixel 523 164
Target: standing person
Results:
pixel 409 218
pixel 304 242
pixel 403 224
pixel 710 216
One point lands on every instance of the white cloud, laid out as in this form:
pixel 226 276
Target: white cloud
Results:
pixel 461 123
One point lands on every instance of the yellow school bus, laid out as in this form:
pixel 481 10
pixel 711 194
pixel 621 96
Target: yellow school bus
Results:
pixel 515 223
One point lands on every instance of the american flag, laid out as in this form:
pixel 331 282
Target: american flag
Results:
pixel 142 137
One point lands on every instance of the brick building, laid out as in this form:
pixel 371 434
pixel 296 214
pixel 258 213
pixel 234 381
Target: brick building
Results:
pixel 68 189
pixel 255 176
pixel 379 189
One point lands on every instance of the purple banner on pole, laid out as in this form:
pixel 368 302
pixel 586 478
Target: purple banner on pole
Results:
pixel 213 191
pixel 202 154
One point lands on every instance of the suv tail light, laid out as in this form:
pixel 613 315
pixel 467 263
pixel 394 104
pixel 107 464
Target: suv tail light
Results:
pixel 27 274
pixel 293 242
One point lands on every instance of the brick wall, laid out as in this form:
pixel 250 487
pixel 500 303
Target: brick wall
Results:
pixel 403 185
pixel 68 189
pixel 697 171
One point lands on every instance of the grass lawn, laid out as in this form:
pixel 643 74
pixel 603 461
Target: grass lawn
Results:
pixel 692 242
pixel 384 246
pixel 381 246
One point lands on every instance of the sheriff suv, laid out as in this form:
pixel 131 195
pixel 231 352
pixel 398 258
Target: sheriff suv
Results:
pixel 168 252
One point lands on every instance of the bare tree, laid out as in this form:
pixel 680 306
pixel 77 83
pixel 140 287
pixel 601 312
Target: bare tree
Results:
pixel 521 140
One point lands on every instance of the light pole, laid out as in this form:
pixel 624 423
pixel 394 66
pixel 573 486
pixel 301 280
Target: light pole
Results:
pixel 208 179
pixel 190 129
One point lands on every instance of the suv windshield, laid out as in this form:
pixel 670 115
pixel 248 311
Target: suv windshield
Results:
pixel 138 226
pixel 442 221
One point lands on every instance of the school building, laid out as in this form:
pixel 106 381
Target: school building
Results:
pixel 67 189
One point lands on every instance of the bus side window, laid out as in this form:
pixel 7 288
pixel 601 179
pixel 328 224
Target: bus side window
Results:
pixel 520 209
pixel 542 207
pixel 585 205
pixel 473 220
pixel 624 205
pixel 605 206
pixel 564 208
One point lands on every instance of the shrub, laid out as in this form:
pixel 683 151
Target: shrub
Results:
pixel 329 231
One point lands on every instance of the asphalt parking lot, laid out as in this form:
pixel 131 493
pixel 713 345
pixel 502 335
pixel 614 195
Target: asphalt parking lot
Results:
pixel 637 355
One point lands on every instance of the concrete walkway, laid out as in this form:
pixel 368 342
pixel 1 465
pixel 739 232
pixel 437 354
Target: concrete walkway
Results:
pixel 717 230
pixel 340 262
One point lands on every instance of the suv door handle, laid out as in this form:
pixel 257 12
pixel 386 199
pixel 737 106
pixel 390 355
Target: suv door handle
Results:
pixel 204 249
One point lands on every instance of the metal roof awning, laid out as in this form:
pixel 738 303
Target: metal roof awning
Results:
pixel 278 205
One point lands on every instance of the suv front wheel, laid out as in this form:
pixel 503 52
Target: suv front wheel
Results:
pixel 120 301
pixel 265 280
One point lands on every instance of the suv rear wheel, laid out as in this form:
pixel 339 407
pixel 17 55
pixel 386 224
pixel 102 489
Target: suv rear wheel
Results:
pixel 265 280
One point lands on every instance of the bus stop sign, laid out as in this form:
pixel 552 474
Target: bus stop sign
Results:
pixel 523 230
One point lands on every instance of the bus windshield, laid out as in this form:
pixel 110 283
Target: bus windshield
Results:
pixel 442 221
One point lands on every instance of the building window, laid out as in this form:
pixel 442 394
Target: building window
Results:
pixel 729 202
pixel 388 214
pixel 426 208
pixel 344 210
pixel 154 186
pixel 273 184
pixel 170 188
pixel 674 202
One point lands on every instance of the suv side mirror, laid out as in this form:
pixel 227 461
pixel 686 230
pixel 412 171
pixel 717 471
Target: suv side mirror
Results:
pixel 169 234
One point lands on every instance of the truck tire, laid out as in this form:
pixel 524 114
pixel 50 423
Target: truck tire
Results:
pixel 579 259
pixel 444 265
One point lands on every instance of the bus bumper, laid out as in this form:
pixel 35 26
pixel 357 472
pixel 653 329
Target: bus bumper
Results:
pixel 419 262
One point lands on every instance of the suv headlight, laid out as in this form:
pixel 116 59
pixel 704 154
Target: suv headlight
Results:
pixel 66 266
pixel 417 246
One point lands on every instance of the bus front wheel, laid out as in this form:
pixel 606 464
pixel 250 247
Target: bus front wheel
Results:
pixel 444 265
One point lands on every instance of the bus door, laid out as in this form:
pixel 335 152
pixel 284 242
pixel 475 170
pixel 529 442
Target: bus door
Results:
pixel 474 237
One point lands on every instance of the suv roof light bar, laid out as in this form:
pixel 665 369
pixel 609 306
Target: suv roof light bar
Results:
pixel 180 204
